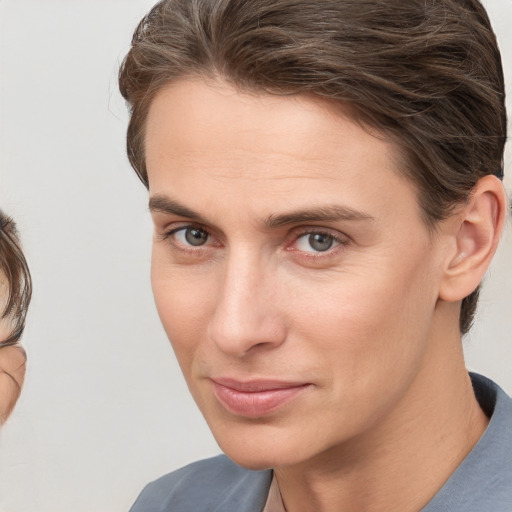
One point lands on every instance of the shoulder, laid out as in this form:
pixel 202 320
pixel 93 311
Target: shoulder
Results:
pixel 207 485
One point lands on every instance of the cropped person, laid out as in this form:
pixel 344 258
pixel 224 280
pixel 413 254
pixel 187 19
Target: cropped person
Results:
pixel 325 184
pixel 15 293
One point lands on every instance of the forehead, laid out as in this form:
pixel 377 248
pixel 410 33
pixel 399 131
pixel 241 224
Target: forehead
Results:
pixel 224 116
pixel 292 147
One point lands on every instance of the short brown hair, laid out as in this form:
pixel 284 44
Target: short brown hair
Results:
pixel 426 73
pixel 17 288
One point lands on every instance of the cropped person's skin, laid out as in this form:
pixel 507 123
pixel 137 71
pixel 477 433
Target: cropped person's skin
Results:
pixel 325 185
pixel 15 293
pixel 12 374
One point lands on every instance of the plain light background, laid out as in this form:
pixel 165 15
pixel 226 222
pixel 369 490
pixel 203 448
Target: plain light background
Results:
pixel 104 409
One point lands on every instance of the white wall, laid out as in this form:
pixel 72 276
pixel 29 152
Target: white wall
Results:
pixel 104 409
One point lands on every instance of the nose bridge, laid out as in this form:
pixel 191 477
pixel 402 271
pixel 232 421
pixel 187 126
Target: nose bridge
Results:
pixel 246 313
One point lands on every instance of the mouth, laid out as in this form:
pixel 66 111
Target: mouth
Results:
pixel 255 398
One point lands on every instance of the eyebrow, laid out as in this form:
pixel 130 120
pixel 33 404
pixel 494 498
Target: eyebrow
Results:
pixel 330 213
pixel 163 204
pixel 320 214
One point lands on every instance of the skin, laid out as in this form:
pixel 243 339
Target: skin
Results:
pixel 370 325
pixel 12 372
pixel 12 362
pixel 13 358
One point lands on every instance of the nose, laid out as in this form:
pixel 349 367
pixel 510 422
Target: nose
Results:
pixel 247 313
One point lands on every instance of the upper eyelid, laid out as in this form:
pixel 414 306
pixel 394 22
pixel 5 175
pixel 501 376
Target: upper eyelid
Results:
pixel 174 228
pixel 188 226
pixel 308 230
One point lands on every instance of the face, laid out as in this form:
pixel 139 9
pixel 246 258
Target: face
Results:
pixel 291 269
pixel 12 363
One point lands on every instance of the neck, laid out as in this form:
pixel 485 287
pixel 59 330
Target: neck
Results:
pixel 403 461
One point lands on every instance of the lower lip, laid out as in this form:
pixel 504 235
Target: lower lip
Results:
pixel 255 403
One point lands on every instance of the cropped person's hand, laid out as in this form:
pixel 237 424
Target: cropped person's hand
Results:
pixel 12 374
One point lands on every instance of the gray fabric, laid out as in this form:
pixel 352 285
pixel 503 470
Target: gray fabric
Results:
pixel 482 483
pixel 212 485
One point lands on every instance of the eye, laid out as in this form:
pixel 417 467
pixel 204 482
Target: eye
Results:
pixel 191 236
pixel 316 242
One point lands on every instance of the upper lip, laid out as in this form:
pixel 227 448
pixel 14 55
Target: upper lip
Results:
pixel 256 385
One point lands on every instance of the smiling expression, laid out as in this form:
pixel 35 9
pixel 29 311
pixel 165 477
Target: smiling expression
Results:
pixel 291 268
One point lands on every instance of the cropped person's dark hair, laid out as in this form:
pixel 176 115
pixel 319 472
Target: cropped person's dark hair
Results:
pixel 426 74
pixel 15 281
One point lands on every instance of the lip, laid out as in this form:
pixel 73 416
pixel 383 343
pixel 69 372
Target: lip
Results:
pixel 255 398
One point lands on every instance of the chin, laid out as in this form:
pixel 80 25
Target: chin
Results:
pixel 252 463
pixel 261 450
pixel 257 461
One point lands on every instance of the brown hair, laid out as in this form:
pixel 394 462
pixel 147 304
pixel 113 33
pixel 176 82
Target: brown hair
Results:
pixel 18 284
pixel 426 73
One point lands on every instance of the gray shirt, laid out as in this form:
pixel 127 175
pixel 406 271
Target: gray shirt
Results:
pixel 482 482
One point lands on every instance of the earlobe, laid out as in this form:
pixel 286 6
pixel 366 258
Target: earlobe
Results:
pixel 475 239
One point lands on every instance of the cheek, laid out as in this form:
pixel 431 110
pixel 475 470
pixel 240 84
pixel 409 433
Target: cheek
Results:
pixel 183 301
pixel 365 342
pixel 365 324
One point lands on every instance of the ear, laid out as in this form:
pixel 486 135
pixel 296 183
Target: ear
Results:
pixel 475 239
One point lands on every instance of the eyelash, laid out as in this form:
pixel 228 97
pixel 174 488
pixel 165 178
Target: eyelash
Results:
pixel 199 250
pixel 340 240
